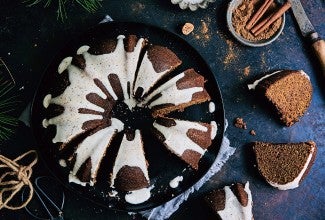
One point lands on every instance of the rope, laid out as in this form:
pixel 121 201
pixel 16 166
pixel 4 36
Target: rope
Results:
pixel 13 179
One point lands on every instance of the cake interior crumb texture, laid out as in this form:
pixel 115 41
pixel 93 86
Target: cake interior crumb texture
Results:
pixel 282 163
pixel 290 92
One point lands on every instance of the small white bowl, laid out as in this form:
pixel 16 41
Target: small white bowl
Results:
pixel 231 7
pixel 193 5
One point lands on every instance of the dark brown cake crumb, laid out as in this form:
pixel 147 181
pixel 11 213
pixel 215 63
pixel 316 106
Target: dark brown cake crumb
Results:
pixel 252 132
pixel 239 123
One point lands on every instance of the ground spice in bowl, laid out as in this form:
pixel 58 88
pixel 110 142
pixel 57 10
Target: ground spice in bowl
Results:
pixel 256 23
pixel 244 12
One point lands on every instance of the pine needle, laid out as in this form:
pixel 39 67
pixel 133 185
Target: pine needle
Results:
pixel 8 102
pixel 89 5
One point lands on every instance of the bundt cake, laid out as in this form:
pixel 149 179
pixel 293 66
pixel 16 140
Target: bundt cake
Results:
pixel 285 165
pixel 231 202
pixel 102 79
pixel 289 91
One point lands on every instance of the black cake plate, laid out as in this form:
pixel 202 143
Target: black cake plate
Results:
pixel 163 165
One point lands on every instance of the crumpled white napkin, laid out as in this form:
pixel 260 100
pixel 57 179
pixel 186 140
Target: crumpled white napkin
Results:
pixel 166 210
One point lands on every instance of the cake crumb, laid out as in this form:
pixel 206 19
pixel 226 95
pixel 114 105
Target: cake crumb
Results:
pixel 252 132
pixel 239 123
pixel 187 28
pixel 247 70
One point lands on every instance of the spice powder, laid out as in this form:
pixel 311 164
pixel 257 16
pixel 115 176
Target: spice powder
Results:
pixel 242 14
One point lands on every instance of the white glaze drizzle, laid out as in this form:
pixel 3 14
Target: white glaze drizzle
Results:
pixel 132 59
pixel 82 83
pixel 304 74
pixel 176 138
pixel 119 62
pixel 82 49
pixel 138 196
pixel 101 66
pixel 233 208
pixel 295 183
pixel 130 154
pixel 256 82
pixel 64 64
pixel 212 107
pixel 94 147
pixel 147 76
pixel 171 94
pixel 175 182
pixel 47 100
pixel 69 123
pixel 62 163
pixel 214 129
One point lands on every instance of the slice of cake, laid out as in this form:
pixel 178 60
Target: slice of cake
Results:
pixel 284 166
pixel 188 140
pixel 90 152
pixel 130 171
pixel 234 202
pixel 181 91
pixel 289 91
pixel 156 63
pixel 133 48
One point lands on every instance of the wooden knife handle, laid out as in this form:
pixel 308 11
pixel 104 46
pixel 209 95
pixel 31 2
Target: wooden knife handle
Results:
pixel 318 46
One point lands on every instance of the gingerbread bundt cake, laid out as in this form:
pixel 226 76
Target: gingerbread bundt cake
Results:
pixel 285 165
pixel 107 76
pixel 288 91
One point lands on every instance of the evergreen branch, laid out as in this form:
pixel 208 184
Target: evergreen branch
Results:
pixel 8 102
pixel 89 5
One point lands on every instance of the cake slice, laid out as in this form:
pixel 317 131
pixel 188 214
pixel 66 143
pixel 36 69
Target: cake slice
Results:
pixel 284 166
pixel 130 171
pixel 183 90
pixel 90 152
pixel 188 140
pixel 289 91
pixel 157 62
pixel 231 202
pixel 133 48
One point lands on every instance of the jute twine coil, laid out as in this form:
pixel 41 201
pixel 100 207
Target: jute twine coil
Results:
pixel 14 178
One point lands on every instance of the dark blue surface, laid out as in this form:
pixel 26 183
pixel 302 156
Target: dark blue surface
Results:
pixel 32 36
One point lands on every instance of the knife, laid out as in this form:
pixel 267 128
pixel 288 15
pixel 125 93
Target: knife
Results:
pixel 308 31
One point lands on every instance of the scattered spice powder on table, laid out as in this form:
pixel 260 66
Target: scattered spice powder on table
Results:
pixel 247 70
pixel 242 14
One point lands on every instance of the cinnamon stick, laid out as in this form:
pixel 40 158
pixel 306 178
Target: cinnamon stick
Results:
pixel 271 19
pixel 260 12
pixel 263 22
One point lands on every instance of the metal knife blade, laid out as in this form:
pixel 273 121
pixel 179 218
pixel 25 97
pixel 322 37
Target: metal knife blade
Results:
pixel 304 23
pixel 308 31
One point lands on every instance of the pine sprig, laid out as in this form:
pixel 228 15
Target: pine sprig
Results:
pixel 89 5
pixel 8 102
